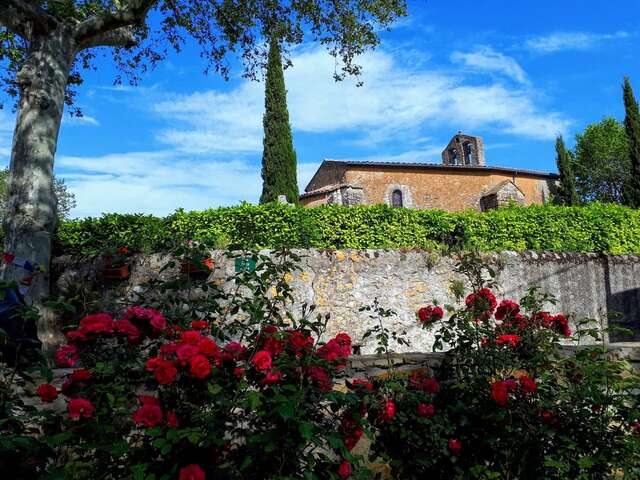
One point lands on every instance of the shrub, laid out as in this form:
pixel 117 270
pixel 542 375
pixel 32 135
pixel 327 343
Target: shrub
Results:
pixel 592 228
pixel 506 403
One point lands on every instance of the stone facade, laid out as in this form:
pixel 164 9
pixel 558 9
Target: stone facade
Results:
pixel 461 182
pixel 425 186
pixel 340 282
pixel 464 150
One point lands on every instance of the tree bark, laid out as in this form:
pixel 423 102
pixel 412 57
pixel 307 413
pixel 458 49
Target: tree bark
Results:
pixel 31 218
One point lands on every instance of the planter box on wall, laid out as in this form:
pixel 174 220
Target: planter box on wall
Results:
pixel 118 273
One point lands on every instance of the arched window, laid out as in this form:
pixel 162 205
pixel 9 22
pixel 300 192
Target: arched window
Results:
pixel 396 199
pixel 468 154
pixel 453 156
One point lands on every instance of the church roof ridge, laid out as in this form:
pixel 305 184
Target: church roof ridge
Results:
pixel 376 163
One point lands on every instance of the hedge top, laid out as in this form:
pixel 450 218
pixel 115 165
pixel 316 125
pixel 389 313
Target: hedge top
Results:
pixel 596 227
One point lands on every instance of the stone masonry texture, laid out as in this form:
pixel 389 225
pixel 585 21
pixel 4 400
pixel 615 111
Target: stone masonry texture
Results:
pixel 595 286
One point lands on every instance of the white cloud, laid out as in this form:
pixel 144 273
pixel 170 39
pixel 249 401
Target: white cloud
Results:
pixel 571 41
pixel 432 154
pixel 485 59
pixel 396 102
pixel 78 121
pixel 159 182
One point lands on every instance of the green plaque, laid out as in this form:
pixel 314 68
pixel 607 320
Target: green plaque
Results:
pixel 245 264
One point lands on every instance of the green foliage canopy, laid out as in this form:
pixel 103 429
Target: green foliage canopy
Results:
pixel 601 162
pixel 218 27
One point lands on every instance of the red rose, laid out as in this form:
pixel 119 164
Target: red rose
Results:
pixel 362 383
pixel 271 378
pixel 427 384
pixel 75 336
pixel 500 392
pixel 164 370
pixel 262 360
pixel 238 372
pixel 80 375
pixel 528 384
pixel 430 314
pixel 208 348
pixel 122 251
pixel 482 302
pixel 148 415
pixel 79 407
pixel 426 410
pixel 455 446
pixel 127 328
pixel 199 366
pixel 344 470
pixel 96 324
pixel 166 373
pixel 388 410
pixel 191 472
pixel 560 324
pixel 8 258
pixel 507 308
pixel 299 342
pixel 186 352
pixel 150 315
pixel 67 356
pixel 172 420
pixel 199 324
pixel 236 350
pixel 320 378
pixel 190 337
pixel 47 392
pixel 510 340
pixel 336 350
pixel 168 350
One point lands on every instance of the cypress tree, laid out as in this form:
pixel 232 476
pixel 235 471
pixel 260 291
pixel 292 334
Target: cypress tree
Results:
pixel 567 188
pixel 279 164
pixel 632 127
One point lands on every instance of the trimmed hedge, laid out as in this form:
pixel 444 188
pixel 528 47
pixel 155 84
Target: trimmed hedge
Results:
pixel 592 228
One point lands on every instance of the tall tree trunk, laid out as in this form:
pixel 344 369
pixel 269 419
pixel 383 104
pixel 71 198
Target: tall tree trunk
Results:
pixel 31 218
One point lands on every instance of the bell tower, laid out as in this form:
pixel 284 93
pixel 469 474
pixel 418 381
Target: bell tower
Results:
pixel 464 150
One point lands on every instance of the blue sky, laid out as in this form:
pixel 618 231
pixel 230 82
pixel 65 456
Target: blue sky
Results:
pixel 516 73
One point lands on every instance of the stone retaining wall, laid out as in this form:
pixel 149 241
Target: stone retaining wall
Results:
pixel 340 282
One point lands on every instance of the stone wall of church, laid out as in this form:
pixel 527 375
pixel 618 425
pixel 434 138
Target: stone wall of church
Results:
pixel 445 189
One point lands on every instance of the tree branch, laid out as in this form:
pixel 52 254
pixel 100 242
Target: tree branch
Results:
pixel 95 30
pixel 22 16
pixel 121 37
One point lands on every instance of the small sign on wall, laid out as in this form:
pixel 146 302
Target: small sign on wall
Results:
pixel 245 264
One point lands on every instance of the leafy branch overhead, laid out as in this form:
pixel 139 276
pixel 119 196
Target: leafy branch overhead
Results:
pixel 218 27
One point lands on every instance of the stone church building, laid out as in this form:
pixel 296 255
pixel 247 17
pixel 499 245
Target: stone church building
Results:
pixel 461 181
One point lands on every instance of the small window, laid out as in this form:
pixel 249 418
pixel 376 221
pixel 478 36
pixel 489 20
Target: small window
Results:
pixel 453 156
pixel 396 199
pixel 468 154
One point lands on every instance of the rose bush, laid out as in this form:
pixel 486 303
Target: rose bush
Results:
pixel 506 402
pixel 195 381
pixel 196 388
